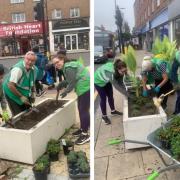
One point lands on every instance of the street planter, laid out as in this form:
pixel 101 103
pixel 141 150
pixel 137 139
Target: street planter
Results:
pixel 139 127
pixel 28 144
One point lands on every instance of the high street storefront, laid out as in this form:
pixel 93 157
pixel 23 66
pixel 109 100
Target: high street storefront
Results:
pixel 73 34
pixel 17 39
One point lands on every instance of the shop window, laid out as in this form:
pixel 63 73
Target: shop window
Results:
pixel 16 1
pixel 58 39
pixel 56 14
pixel 74 12
pixel 18 17
pixel 83 40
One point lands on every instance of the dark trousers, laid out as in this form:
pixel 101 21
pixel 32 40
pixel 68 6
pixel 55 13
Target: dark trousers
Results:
pixel 177 107
pixel 83 108
pixel 39 86
pixel 164 89
pixel 106 91
pixel 14 107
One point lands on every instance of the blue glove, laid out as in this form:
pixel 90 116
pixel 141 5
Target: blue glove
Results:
pixel 157 89
pixel 64 94
pixel 145 93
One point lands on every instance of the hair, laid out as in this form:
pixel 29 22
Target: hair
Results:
pixel 1 69
pixel 31 53
pixel 62 56
pixel 118 64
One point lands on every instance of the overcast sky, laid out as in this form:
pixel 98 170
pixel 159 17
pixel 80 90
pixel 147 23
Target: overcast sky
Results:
pixel 104 12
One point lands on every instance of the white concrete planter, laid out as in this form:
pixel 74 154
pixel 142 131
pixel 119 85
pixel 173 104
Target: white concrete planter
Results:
pixel 138 128
pixel 27 145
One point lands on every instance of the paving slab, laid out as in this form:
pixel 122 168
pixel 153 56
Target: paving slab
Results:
pixel 125 165
pixel 173 174
pixel 100 168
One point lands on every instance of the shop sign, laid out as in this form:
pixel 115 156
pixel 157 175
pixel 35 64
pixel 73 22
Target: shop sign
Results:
pixel 20 29
pixel 70 23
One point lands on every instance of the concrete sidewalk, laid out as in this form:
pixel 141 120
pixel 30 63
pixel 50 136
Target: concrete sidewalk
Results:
pixel 115 162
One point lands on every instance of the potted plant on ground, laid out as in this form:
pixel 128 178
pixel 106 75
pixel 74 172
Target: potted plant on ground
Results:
pixel 53 148
pixel 68 146
pixel 41 168
pixel 175 147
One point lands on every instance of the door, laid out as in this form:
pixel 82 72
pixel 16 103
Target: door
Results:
pixel 71 42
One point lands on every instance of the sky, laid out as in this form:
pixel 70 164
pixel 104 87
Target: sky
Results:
pixel 104 12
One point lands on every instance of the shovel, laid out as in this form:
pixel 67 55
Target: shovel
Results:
pixel 157 101
pixel 57 96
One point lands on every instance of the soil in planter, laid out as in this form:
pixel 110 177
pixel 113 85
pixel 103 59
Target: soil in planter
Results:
pixel 31 118
pixel 140 106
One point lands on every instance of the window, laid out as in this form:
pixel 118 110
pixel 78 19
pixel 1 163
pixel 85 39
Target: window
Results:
pixel 74 12
pixel 153 1
pixel 56 14
pixel 18 17
pixel 17 1
pixel 158 2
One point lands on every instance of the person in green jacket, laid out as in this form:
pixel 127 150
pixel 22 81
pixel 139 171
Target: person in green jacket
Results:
pixel 105 76
pixel 5 114
pixel 157 71
pixel 76 77
pixel 19 84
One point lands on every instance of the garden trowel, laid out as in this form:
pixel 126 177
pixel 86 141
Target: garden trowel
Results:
pixel 157 101
pixel 57 96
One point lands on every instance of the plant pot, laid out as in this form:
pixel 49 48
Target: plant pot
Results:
pixel 41 175
pixel 67 149
pixel 54 157
pixel 165 144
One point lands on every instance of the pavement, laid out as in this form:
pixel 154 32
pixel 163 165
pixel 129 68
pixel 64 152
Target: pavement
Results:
pixel 58 169
pixel 115 162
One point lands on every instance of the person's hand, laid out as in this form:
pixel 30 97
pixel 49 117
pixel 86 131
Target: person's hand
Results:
pixel 64 94
pixel 157 89
pixel 145 93
pixel 33 97
pixel 25 100
pixel 5 116
pixel 61 85
pixel 177 87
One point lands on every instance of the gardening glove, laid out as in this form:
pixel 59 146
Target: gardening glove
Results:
pixel 5 116
pixel 25 100
pixel 145 93
pixel 32 98
pixel 157 89
pixel 61 85
pixel 64 94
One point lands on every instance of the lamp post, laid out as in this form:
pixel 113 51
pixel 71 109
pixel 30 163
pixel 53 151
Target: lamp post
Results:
pixel 119 30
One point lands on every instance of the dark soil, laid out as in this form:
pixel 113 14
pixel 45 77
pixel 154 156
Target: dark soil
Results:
pixel 31 118
pixel 140 106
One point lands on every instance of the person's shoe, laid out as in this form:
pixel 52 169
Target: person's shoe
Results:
pixel 106 120
pixel 115 112
pixel 83 138
pixel 77 133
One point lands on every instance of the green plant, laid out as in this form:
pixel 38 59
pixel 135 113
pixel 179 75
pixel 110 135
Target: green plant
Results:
pixel 72 157
pixel 53 148
pixel 42 163
pixel 175 147
pixel 164 134
pixel 84 167
pixel 130 60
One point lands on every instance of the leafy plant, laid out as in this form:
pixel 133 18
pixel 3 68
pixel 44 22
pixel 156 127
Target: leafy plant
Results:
pixel 72 157
pixel 42 163
pixel 130 60
pixel 175 147
pixel 84 167
pixel 53 146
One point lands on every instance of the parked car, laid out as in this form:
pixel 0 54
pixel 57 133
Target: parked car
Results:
pixel 99 56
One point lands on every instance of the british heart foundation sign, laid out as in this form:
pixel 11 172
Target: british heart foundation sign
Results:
pixel 20 29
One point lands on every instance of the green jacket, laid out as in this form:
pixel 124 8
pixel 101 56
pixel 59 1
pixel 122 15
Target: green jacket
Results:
pixel 100 76
pixel 81 79
pixel 24 85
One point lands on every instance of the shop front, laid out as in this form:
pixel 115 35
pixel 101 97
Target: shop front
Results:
pixel 17 39
pixel 73 34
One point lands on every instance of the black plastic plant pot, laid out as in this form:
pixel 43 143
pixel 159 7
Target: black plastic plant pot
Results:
pixel 54 157
pixel 41 175
pixel 165 144
pixel 67 149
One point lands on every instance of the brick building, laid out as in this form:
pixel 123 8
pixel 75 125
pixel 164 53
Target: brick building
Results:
pixel 153 18
pixel 68 25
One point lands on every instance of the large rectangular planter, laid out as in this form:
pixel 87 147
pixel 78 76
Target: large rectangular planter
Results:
pixel 138 128
pixel 27 145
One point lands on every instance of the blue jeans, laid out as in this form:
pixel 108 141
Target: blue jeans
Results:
pixel 177 107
